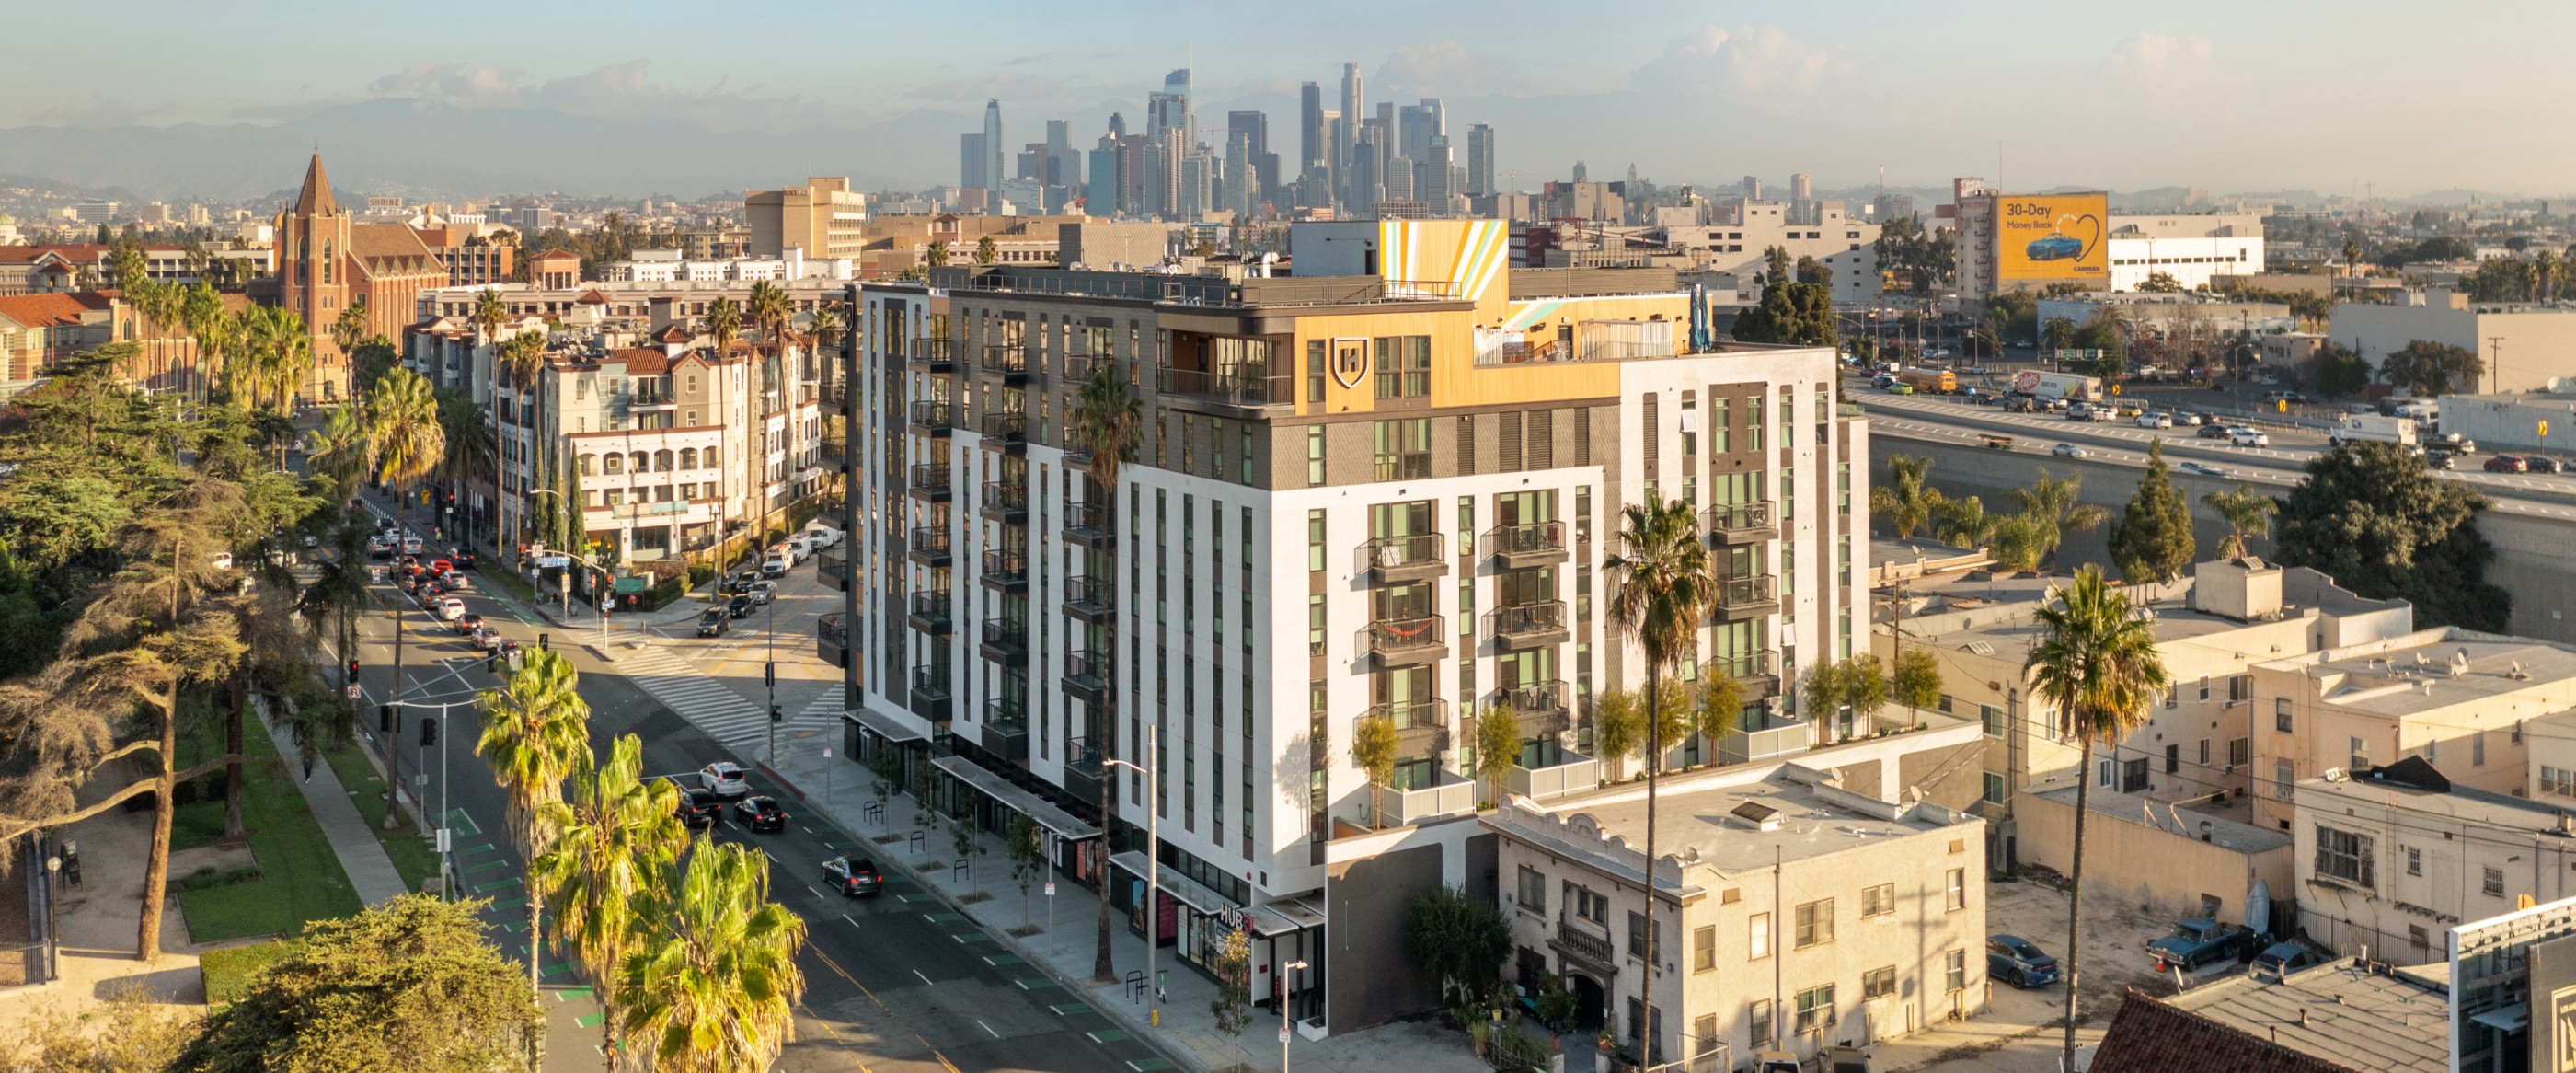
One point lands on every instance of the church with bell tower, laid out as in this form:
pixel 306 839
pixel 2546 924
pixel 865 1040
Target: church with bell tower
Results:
pixel 327 261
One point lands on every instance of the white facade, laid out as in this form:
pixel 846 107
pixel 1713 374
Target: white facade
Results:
pixel 2190 261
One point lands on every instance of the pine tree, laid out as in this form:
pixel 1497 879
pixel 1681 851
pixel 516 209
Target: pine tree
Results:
pixel 2152 540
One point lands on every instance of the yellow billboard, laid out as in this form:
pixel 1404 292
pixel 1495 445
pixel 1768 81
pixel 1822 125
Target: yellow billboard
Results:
pixel 2052 237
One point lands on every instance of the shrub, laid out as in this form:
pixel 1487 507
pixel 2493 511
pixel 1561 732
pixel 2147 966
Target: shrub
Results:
pixel 229 972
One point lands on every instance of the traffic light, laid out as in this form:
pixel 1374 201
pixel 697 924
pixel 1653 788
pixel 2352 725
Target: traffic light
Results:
pixel 428 731
pixel 384 718
pixel 353 670
pixel 777 714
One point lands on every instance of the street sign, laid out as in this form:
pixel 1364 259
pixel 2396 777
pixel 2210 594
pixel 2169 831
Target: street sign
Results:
pixel 353 691
pixel 827 752
pixel 1283 1033
pixel 1050 888
pixel 552 562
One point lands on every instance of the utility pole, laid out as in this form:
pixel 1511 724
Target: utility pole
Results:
pixel 2495 345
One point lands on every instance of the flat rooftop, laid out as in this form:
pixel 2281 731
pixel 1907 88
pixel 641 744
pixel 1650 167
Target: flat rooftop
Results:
pixel 2001 613
pixel 2366 1017
pixel 1732 825
pixel 2232 834
pixel 2463 803
pixel 2434 669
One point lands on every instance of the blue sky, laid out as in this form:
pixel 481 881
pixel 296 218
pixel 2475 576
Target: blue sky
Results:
pixel 2245 96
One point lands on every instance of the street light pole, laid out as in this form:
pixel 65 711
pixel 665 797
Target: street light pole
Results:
pixel 1153 867
pixel 1284 970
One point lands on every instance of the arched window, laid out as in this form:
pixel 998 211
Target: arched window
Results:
pixel 643 462
pixel 616 463
pixel 709 459
pixel 662 461
pixel 590 464
pixel 688 458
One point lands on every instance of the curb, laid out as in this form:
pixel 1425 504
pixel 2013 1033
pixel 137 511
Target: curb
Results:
pixel 1184 1057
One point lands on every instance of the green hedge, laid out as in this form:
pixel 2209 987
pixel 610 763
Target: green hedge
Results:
pixel 229 972
pixel 207 878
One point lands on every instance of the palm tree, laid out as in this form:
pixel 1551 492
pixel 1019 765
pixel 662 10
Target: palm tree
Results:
pixel 350 328
pixel 470 457
pixel 338 594
pixel 199 312
pixel 490 310
pixel 2248 515
pixel 712 979
pixel 769 309
pixel 2050 505
pixel 2351 264
pixel 339 450
pixel 724 323
pixel 1905 501
pixel 519 359
pixel 611 839
pixel 406 441
pixel 1669 587
pixel 535 728
pixel 1107 422
pixel 2096 660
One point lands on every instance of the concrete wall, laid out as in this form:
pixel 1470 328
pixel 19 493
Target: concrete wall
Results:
pixel 1370 981
pixel 2134 862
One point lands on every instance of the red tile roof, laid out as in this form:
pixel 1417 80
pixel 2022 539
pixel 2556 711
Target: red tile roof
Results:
pixel 674 333
pixel 315 199
pixel 49 310
pixel 2149 1036
pixel 558 253
pixel 641 361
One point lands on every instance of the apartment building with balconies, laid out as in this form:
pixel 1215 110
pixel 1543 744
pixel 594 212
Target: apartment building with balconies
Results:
pixel 1354 498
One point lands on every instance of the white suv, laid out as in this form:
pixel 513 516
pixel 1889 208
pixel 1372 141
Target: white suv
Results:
pixel 2248 437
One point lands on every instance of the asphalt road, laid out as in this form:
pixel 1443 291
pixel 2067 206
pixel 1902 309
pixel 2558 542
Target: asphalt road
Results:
pixel 893 982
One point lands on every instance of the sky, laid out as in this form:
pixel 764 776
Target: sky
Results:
pixel 2356 96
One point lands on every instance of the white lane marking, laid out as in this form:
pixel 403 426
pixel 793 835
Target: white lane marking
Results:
pixel 924 979
pixel 817 893
pixel 988 1029
pixel 853 923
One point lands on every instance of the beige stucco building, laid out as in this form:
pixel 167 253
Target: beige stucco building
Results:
pixel 824 218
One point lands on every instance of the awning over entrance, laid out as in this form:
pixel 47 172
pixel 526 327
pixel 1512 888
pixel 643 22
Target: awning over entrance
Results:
pixel 1188 891
pixel 1281 918
pixel 1063 823
pixel 2514 1018
pixel 881 726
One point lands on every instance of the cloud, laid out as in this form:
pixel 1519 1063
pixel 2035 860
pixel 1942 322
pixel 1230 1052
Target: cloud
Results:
pixel 1747 61
pixel 1440 68
pixel 2171 79
pixel 2157 56
pixel 623 91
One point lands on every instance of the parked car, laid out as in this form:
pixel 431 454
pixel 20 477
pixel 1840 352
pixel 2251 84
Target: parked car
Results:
pixel 821 535
pixel 739 607
pixel 2067 450
pixel 2198 941
pixel 699 807
pixel 853 876
pixel 2248 437
pixel 1844 1059
pixel 713 622
pixel 1777 1062
pixel 742 580
pixel 724 778
pixel 2545 464
pixel 469 624
pixel 2282 959
pixel 774 566
pixel 2019 962
pixel 761 814
pixel 451 608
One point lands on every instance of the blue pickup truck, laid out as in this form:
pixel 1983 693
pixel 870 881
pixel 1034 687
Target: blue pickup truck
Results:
pixel 2199 941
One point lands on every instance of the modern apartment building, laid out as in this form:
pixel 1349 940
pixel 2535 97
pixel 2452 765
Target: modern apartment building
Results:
pixel 1385 488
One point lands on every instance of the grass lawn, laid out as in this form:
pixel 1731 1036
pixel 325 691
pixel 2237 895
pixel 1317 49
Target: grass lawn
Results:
pixel 412 854
pixel 300 878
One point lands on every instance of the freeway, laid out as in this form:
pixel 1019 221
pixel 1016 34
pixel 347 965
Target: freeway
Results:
pixel 1944 420
pixel 893 982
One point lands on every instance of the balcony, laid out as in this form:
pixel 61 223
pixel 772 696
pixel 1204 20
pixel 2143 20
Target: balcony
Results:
pixel 930 697
pixel 1421 726
pixel 1394 559
pixel 1526 626
pixel 1769 739
pixel 1008 431
pixel 1005 641
pixel 1006 501
pixel 930 612
pixel 1543 708
pixel 1086 676
pixel 1405 642
pixel 928 545
pixel 1011 363
pixel 1078 366
pixel 1758 671
pixel 1576 941
pixel 651 401
pixel 1741 523
pixel 1450 794
pixel 1247 388
pixel 1091 599
pixel 1005 570
pixel 1532 544
pixel 1006 730
pixel 1082 769
pixel 1744 598
pixel 930 481
pixel 934 417
pixel 935 355
pixel 1090 525
pixel 1573 773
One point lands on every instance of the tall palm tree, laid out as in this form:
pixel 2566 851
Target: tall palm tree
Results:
pixel 490 311
pixel 724 323
pixel 340 451
pixel 198 313
pixel 338 594
pixel 535 729
pixel 612 838
pixel 406 441
pixel 1108 422
pixel 1905 501
pixel 769 309
pixel 2050 505
pixel 470 456
pixel 2351 265
pixel 1669 586
pixel 712 980
pixel 350 328
pixel 519 361
pixel 2248 514
pixel 2096 660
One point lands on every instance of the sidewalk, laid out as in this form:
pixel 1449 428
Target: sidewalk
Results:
pixel 371 872
pixel 1067 937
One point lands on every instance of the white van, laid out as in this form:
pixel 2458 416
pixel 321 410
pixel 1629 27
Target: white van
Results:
pixel 821 536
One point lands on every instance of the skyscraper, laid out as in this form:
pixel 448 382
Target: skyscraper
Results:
pixel 992 144
pixel 1801 188
pixel 1752 188
pixel 1351 114
pixel 1480 160
pixel 1240 181
pixel 1417 124
pixel 1101 194
pixel 1434 175
pixel 1064 164
pixel 1311 149
pixel 1170 109
pixel 971 162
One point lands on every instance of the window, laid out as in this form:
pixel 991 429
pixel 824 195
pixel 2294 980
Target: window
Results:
pixel 1404 367
pixel 2281 715
pixel 1816 1009
pixel 2283 774
pixel 1757 941
pixel 2345 855
pixel 1815 923
pixel 2416 934
pixel 2558 781
pixel 1637 934
pixel 1314 456
pixel 1954 971
pixel 1994 788
pixel 1704 1034
pixel 2494 881
pixel 1704 948
pixel 1533 892
pixel 1314 540
pixel 1589 906
pixel 1954 889
pixel 1314 376
pixel 1877 901
pixel 2414 861
pixel 2360 755
pixel 2477 748
pixel 1878 983
pixel 1993 718
pixel 1403 449
pixel 1758 1022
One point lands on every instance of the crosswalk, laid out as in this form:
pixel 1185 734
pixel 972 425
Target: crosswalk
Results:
pixel 711 706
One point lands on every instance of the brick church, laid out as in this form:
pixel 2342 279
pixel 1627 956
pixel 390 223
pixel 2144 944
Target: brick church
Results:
pixel 327 260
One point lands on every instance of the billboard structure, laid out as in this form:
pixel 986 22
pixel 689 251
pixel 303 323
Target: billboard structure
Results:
pixel 2052 237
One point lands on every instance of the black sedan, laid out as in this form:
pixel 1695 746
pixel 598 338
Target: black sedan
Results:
pixel 761 814
pixel 2544 464
pixel 464 558
pixel 853 877
pixel 699 807
pixel 713 622
pixel 470 623
pixel 740 607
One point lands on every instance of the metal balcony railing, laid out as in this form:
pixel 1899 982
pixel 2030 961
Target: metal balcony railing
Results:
pixel 1746 592
pixel 1246 387
pixel 1530 620
pixel 931 479
pixel 940 355
pixel 1005 429
pixel 1090 597
pixel 1536 699
pixel 1006 566
pixel 1740 520
pixel 1406 637
pixel 1006 497
pixel 1427 714
pixel 1536 539
pixel 928 545
pixel 1006 358
pixel 1090 523
pixel 1006 639
pixel 1584 944
pixel 1762 664
pixel 934 415
pixel 1405 558
pixel 930 611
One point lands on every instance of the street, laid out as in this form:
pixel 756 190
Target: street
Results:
pixel 893 980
